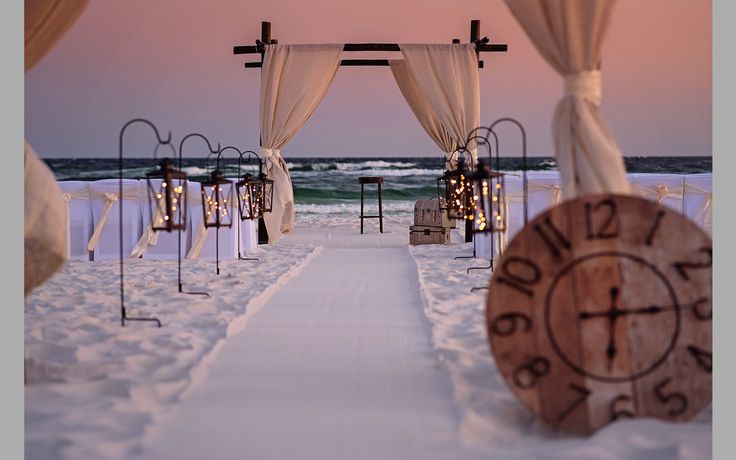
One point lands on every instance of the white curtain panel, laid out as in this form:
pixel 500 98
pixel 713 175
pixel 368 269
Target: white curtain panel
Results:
pixel 441 85
pixel 46 227
pixel 105 200
pixel 698 201
pixel 79 215
pixel 204 240
pixel 666 189
pixel 294 79
pixel 46 21
pixel 569 35
pixel 45 222
pixel 160 245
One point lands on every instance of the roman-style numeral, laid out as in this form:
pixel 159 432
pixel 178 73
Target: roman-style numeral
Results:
pixel 610 225
pixel 552 237
pixel 655 227
pixel 583 395
pixel 520 274
pixel 679 399
pixel 703 357
pixel 614 409
pixel 705 262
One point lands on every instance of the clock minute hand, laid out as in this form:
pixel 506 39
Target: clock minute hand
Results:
pixel 650 310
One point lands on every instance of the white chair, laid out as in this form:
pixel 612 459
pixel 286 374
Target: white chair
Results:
pixel 204 243
pixel 513 207
pixel 105 201
pixel 666 189
pixel 79 222
pixel 699 200
pixel 162 245
pixel 248 235
pixel 544 191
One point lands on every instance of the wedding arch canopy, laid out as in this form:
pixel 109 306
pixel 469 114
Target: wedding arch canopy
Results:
pixel 439 82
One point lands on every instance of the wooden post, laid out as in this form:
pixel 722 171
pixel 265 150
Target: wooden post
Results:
pixel 265 38
pixel 474 35
pixel 266 32
pixel 474 30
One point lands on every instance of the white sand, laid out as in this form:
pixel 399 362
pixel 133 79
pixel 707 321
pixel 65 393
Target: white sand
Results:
pixel 326 364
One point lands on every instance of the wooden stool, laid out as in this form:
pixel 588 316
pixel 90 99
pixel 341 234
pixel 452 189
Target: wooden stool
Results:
pixel 371 180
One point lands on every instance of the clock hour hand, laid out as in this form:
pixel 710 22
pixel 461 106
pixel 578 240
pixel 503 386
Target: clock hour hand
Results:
pixel 650 310
pixel 613 315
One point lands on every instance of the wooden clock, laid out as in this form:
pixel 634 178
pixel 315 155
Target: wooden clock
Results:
pixel 600 309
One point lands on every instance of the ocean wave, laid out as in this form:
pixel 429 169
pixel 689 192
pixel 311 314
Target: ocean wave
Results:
pixel 352 208
pixel 345 166
pixel 370 172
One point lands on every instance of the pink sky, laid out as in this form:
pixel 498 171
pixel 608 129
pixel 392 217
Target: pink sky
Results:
pixel 171 61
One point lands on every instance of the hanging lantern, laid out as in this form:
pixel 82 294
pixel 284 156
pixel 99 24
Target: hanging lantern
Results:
pixel 489 200
pixel 255 196
pixel 255 193
pixel 217 193
pixel 459 193
pixel 167 189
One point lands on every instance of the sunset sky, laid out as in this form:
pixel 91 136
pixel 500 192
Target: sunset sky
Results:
pixel 171 61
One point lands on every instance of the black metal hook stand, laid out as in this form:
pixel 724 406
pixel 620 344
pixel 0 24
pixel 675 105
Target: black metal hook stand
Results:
pixel 211 150
pixel 123 313
pixel 483 140
pixel 241 162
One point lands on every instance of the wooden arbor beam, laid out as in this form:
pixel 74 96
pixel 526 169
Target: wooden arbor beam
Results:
pixel 482 45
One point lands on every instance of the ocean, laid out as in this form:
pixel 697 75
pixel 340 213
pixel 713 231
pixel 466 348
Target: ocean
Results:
pixel 327 188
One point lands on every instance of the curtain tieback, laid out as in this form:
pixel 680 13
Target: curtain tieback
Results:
pixel 585 84
pixel 110 199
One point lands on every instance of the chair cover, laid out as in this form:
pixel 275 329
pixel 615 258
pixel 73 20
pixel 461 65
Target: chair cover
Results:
pixel 248 235
pixel 699 200
pixel 160 245
pixel 105 214
pixel 80 224
pixel 666 189
pixel 544 191
pixel 204 244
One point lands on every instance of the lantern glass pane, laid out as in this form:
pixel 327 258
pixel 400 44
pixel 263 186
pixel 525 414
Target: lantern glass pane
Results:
pixel 245 201
pixel 217 204
pixel 490 210
pixel 267 195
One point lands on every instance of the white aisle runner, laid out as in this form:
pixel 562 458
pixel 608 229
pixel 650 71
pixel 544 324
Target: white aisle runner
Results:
pixel 337 365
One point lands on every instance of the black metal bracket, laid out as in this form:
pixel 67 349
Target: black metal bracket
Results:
pixel 123 312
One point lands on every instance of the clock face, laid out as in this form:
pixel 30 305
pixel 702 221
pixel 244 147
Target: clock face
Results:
pixel 600 308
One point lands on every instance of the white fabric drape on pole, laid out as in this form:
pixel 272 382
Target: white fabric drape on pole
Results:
pixel 45 222
pixel 45 231
pixel 294 79
pixel 441 85
pixel 569 35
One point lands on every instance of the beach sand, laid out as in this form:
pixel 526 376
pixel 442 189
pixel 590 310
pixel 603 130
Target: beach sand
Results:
pixel 98 390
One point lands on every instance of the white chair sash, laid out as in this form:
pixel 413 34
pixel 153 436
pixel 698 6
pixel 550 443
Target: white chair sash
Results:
pixel 82 194
pixel 705 213
pixel 149 237
pixel 110 199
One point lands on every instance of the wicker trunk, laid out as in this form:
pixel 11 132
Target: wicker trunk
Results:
pixel 419 234
pixel 428 213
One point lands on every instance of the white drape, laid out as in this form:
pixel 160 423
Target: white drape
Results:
pixel 45 222
pixel 294 79
pixel 569 35
pixel 440 83
pixel 46 226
